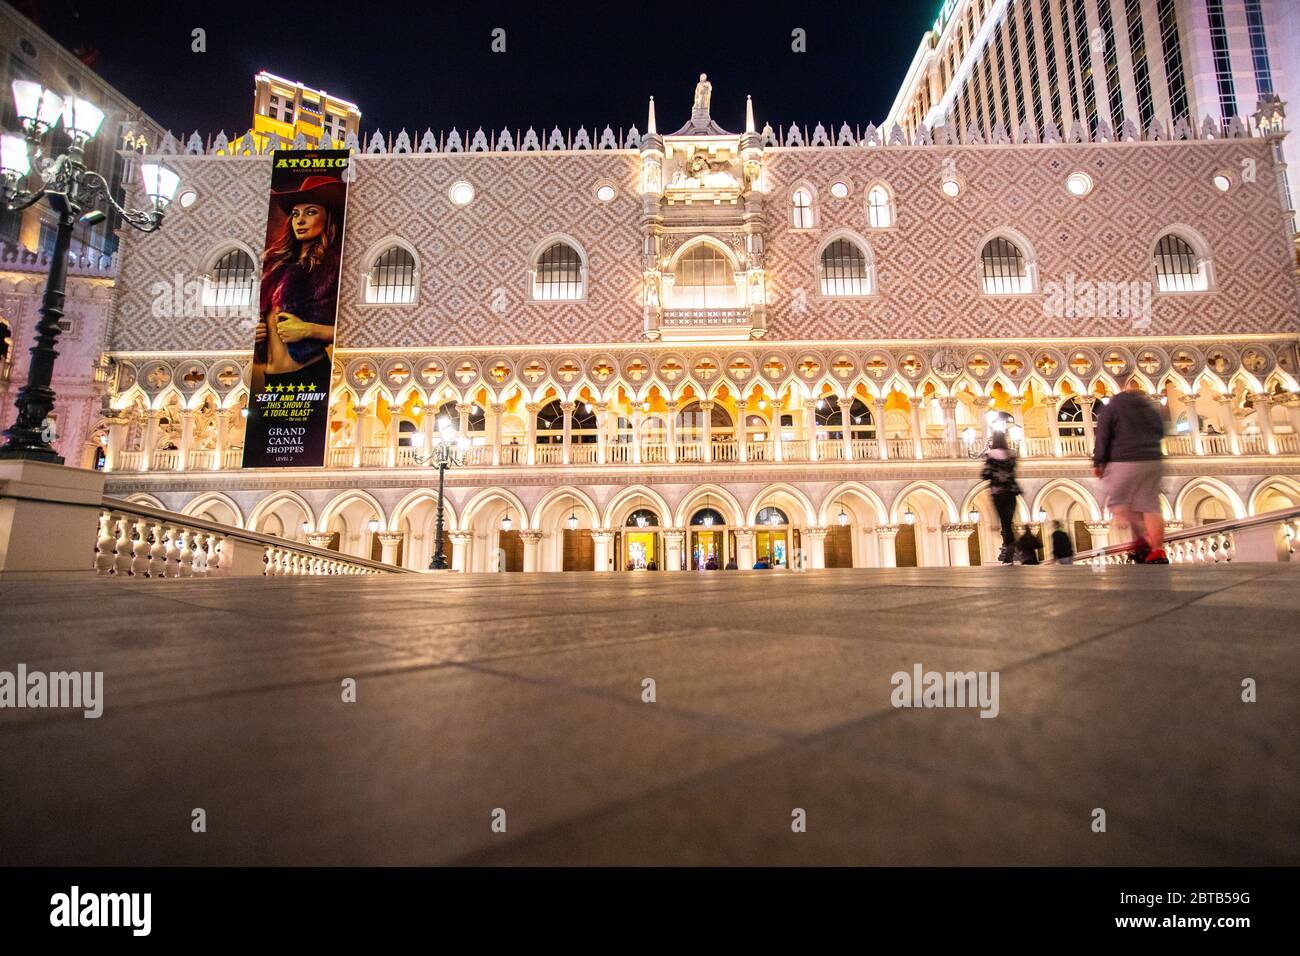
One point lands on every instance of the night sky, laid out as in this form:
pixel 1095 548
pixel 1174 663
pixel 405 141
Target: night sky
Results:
pixel 567 64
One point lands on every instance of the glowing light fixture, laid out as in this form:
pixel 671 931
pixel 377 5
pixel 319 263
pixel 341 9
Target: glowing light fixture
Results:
pixel 843 516
pixel 973 516
pixel 908 517
pixel 373 525
pixel 506 521
pixel 573 517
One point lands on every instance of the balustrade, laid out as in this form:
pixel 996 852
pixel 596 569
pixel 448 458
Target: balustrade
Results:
pixel 796 449
pixel 548 454
pixel 166 459
pixel 1074 446
pixel 686 451
pixel 374 456
pixel 726 451
pixel 830 449
pixel 1287 444
pixel 1252 444
pixel 618 454
pixel 901 448
pixel 935 448
pixel 1216 444
pixel 583 454
pixel 759 451
pixel 514 454
pixel 865 449
pixel 654 453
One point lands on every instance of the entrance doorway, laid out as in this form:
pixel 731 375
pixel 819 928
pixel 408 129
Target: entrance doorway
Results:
pixel 773 546
pixel 642 553
pixel 708 549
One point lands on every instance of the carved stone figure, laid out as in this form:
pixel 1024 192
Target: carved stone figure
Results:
pixel 703 93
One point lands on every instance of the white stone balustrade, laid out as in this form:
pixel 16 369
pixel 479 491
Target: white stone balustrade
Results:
pixel 1271 536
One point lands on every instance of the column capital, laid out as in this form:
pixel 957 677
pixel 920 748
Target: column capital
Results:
pixel 463 536
pixel 600 406
pixel 1097 527
pixel 498 407
pixel 916 401
pixel 568 407
pixel 948 402
pixel 1188 400
pixel 957 531
pixel 602 534
pixel 391 537
pixel 887 530
pixel 530 534
pixel 1051 399
pixel 394 409
pixel 707 405
pixel 672 403
pixel 816 532
pixel 1262 398
pixel 673 534
pixel 743 532
pixel 1018 401
pixel 982 401
pixel 1087 401
pixel 742 404
pixel 319 539
pixel 463 407
pixel 1171 526
pixel 532 408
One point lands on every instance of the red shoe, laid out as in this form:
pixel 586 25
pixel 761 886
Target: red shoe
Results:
pixel 1139 552
pixel 1157 556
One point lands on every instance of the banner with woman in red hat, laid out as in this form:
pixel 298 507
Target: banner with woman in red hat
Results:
pixel 293 351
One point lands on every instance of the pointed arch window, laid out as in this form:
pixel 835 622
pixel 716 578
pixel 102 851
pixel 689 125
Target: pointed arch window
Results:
pixel 880 207
pixel 844 269
pixel 558 274
pixel 802 208
pixel 1178 266
pixel 230 281
pixel 704 279
pixel 392 277
pixel 1004 269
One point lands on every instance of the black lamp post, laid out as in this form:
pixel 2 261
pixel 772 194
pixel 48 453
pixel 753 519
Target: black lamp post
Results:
pixel 71 189
pixel 448 450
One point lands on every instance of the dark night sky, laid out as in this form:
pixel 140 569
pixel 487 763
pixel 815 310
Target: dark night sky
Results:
pixel 567 64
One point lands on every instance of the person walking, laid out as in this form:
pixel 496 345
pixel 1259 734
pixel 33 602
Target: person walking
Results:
pixel 1130 464
pixel 1062 546
pixel 1000 472
pixel 1028 545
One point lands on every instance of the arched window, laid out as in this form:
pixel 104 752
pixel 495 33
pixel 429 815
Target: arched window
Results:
pixel 708 517
pixel 557 274
pixel 880 208
pixel 585 428
pixel 844 269
pixel 690 420
pixel 230 280
pixel 449 411
pixel 704 279
pixel 550 424
pixel 1004 268
pixel 771 515
pixel 1178 267
pixel 801 209
pixel 643 518
pixel 830 423
pixel 1069 417
pixel 391 279
pixel 405 429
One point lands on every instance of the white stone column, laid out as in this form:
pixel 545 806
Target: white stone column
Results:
pixel 745 549
pixel 1229 422
pixel 225 419
pixel 1099 531
pixel 814 543
pixel 742 431
pixel 1193 424
pixel 778 443
pixel 1264 414
pixel 982 403
pixel 670 410
pixel 846 428
pixel 948 407
pixel 1088 404
pixel 604 541
pixel 601 408
pixel 636 435
pixel 462 415
pixel 359 436
pixel 117 431
pixel 460 544
pixel 153 421
pixel 958 538
pixel 1018 416
pixel 187 439
pixel 530 432
pixel 389 542
pixel 498 410
pixel 810 427
pixel 918 445
pixel 882 439
pixel 394 419
pixel 673 548
pixel 885 535
pixel 706 428
pixel 531 539
pixel 1050 402
pixel 567 454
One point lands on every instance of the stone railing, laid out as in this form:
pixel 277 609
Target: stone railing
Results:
pixel 135 540
pixel 1267 537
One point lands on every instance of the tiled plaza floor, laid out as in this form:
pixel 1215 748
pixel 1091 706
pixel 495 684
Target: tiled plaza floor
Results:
pixel 1118 689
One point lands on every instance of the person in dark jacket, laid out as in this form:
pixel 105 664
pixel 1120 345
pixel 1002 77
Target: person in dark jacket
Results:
pixel 1130 462
pixel 1062 546
pixel 1028 545
pixel 731 565
pixel 1000 472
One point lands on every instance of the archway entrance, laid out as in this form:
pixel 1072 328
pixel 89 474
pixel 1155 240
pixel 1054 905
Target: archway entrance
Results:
pixel 774 540
pixel 709 544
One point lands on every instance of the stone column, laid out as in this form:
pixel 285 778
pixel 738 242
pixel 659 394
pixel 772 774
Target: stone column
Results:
pixel 1018 416
pixel 321 539
pixel 531 540
pixel 673 548
pixel 394 419
pixel 1229 422
pixel 153 421
pixel 814 542
pixel 885 535
pixel 982 403
pixel 1193 424
pixel 706 428
pixel 742 431
pixel 460 543
pixel 918 446
pixel 636 435
pixel 429 428
pixel 882 439
pixel 225 418
pixel 498 410
pixel 745 549
pixel 566 454
pixel 462 414
pixel 388 543
pixel 604 541
pixel 1050 402
pixel 601 408
pixel 958 538
pixel 530 432
pixel 117 431
pixel 670 410
pixel 1264 414
pixel 948 406
pixel 359 436
pixel 1088 404
pixel 810 427
pixel 187 439
pixel 1099 531
pixel 778 443
pixel 846 428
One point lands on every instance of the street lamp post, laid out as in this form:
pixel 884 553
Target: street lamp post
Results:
pixel 448 450
pixel 71 189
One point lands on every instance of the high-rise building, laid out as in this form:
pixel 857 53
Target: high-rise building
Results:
pixel 287 108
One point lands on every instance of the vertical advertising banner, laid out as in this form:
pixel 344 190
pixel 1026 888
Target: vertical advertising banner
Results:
pixel 293 350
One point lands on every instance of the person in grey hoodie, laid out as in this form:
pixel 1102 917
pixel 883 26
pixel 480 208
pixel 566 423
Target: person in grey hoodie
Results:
pixel 1130 463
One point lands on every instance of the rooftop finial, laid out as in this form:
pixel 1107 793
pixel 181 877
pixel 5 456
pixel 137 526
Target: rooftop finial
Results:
pixel 749 114
pixel 650 120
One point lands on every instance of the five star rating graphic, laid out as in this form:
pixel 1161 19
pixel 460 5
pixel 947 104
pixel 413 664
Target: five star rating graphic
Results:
pixel 291 388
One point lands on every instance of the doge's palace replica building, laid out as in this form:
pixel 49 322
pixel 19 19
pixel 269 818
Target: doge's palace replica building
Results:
pixel 668 349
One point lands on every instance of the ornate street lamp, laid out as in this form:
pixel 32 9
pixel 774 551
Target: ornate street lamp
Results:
pixel 448 450
pixel 908 516
pixel 843 516
pixel 708 514
pixel 573 517
pixel 507 521
pixel 973 516
pixel 71 190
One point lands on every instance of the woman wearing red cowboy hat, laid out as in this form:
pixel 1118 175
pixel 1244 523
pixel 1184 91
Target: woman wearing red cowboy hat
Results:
pixel 300 278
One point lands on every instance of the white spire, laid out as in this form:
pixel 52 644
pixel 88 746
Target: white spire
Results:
pixel 749 113
pixel 650 121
